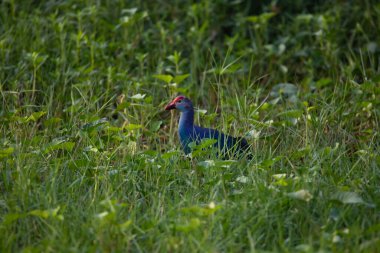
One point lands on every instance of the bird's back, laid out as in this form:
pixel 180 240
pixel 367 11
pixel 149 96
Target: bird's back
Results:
pixel 228 145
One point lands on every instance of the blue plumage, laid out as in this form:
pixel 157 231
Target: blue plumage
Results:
pixel 188 132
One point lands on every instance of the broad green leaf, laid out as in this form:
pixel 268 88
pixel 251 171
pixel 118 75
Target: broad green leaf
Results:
pixel 35 116
pixel 291 113
pixel 348 198
pixel 305 18
pixel 11 217
pixel 216 163
pixel 279 176
pixel 224 163
pixel 254 134
pixel 133 127
pixel 52 121
pixel 190 226
pixel 92 125
pixel 40 213
pixel 74 164
pixel 125 224
pixel 151 153
pixel 207 142
pixel 301 195
pixel 6 152
pixel 91 149
pixel 106 217
pixel 113 129
pixel 206 210
pixel 175 58
pixel 155 126
pixel 281 182
pixel 201 111
pixel 165 78
pixel 49 213
pixel 323 82
pixel 180 78
pixel 138 96
pixel 301 153
pixel 287 89
pixel 207 163
pixel 230 69
pixel 269 162
pixel 170 154
pixel 262 18
pixel 130 12
pixel 122 106
pixel 304 248
pixel 60 145
pixel 242 179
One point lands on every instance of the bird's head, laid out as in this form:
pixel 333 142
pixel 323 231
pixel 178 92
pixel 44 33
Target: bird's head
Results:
pixel 180 103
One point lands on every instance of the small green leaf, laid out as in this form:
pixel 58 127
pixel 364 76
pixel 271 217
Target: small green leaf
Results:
pixel 165 78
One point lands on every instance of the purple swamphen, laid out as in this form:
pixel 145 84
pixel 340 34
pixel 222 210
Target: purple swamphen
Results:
pixel 227 146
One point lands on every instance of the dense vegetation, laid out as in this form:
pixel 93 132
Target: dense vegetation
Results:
pixel 90 161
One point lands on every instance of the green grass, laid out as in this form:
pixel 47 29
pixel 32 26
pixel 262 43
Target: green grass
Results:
pixel 90 161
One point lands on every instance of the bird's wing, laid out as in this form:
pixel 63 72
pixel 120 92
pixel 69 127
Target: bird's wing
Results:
pixel 202 133
pixel 225 143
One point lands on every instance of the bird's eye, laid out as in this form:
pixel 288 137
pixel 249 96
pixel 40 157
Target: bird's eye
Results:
pixel 179 101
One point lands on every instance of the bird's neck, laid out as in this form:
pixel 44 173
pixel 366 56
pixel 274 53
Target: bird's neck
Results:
pixel 186 120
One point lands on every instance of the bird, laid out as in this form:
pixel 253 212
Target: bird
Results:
pixel 226 145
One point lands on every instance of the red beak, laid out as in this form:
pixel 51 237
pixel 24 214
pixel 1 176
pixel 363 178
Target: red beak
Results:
pixel 170 106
